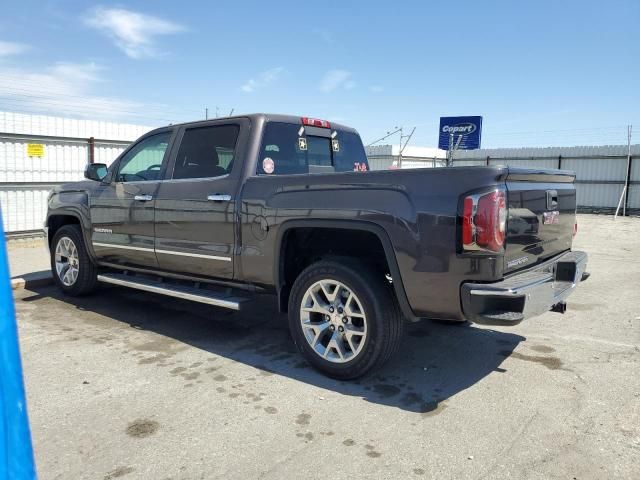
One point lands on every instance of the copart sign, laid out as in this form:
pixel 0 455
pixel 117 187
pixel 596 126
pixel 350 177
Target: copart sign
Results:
pixel 466 130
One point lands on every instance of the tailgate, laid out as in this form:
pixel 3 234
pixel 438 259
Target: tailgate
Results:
pixel 540 223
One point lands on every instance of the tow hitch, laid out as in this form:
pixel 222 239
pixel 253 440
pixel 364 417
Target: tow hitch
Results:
pixel 559 307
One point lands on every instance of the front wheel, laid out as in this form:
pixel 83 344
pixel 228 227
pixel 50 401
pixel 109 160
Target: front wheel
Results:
pixel 73 271
pixel 344 319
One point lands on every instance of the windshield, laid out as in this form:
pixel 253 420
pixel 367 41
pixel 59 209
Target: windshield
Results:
pixel 290 149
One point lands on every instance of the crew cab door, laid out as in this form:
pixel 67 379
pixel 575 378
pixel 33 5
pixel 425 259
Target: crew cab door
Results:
pixel 196 203
pixel 122 209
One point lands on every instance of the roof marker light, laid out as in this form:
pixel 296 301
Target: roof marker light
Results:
pixel 315 122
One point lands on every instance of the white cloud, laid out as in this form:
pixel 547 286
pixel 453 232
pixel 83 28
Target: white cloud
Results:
pixel 12 48
pixel 133 32
pixel 334 79
pixel 62 89
pixel 262 80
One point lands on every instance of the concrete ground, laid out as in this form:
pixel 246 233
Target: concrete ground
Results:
pixel 132 385
pixel 28 257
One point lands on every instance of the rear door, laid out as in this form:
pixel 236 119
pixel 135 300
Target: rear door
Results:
pixel 542 206
pixel 196 203
pixel 122 209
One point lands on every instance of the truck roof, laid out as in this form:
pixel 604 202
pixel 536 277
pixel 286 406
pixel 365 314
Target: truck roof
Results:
pixel 268 117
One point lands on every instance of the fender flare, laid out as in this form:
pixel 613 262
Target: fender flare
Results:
pixel 361 225
pixel 85 230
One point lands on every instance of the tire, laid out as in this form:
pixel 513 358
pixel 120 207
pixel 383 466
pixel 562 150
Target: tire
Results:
pixel 374 312
pixel 85 279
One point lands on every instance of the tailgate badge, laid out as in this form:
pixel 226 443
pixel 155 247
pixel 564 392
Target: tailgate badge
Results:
pixel 551 218
pixel 516 262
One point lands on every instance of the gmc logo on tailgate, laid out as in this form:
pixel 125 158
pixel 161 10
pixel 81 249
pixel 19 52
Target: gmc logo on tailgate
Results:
pixel 551 218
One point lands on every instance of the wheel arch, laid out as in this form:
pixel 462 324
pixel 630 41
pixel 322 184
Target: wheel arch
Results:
pixel 281 245
pixel 57 219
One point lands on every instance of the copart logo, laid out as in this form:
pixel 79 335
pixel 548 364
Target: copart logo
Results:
pixel 460 129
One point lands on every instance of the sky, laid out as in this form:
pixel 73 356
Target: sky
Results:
pixel 543 73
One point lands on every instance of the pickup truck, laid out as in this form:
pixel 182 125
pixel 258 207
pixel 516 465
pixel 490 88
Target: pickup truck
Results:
pixel 216 211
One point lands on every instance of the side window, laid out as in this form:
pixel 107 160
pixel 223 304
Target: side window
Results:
pixel 144 161
pixel 206 152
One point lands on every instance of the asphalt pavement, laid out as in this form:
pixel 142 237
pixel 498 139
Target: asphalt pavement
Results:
pixel 126 384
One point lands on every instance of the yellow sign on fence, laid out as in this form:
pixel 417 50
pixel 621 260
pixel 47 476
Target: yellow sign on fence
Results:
pixel 35 150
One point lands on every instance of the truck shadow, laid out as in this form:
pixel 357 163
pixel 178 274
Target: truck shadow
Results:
pixel 435 361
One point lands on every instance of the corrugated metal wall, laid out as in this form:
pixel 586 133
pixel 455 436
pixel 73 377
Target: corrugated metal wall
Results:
pixel 26 180
pixel 600 171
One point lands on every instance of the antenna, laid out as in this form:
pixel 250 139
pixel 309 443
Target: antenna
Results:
pixel 402 147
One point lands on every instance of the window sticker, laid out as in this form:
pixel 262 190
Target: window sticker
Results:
pixel 335 144
pixel 268 166
pixel 359 167
pixel 301 131
pixel 302 143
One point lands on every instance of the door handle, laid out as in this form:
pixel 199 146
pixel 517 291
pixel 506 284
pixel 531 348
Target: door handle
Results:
pixel 219 198
pixel 143 198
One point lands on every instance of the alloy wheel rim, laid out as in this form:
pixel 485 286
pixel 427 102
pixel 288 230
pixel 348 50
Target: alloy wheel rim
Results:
pixel 333 321
pixel 67 261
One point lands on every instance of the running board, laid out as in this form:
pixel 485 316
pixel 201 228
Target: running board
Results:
pixel 218 299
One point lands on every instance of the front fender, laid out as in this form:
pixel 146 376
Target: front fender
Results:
pixel 71 204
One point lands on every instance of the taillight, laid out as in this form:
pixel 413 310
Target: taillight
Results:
pixel 315 122
pixel 484 221
pixel 468 229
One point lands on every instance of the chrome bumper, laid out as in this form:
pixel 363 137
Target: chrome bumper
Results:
pixel 526 294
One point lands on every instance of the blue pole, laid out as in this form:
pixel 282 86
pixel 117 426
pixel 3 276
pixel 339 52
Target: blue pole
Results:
pixel 16 452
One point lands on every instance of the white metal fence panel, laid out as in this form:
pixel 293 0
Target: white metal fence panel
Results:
pixel 634 196
pixel 598 195
pixel 480 162
pixel 607 169
pixel 38 125
pixel 26 179
pixel 105 153
pixel 23 208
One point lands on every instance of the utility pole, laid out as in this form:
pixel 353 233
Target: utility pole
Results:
pixel 625 190
pixel 452 149
pixel 206 113
pixel 402 147
pixel 626 182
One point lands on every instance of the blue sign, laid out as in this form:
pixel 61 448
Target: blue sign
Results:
pixel 16 454
pixel 466 130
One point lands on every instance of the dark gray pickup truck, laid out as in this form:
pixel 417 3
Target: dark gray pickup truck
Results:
pixel 215 211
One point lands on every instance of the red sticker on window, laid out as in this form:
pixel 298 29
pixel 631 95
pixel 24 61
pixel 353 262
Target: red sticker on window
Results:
pixel 359 167
pixel 268 166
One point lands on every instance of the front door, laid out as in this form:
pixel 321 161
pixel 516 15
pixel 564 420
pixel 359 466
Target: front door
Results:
pixel 122 210
pixel 195 205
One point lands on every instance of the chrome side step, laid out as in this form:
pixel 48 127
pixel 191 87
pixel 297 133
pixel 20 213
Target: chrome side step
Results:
pixel 209 297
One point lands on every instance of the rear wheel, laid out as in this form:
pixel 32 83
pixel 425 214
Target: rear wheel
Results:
pixel 73 271
pixel 344 319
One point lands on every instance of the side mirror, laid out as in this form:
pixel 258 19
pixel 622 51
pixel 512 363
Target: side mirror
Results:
pixel 95 171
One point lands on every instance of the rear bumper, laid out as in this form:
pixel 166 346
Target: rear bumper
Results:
pixel 525 294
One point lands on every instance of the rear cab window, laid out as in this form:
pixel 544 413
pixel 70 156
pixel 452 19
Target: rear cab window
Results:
pixel 289 149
